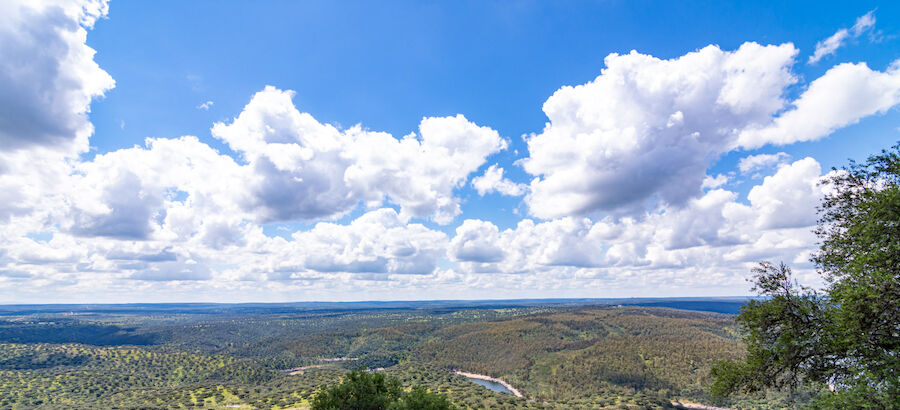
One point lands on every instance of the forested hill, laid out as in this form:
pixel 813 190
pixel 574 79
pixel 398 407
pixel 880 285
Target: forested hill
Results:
pixel 576 354
pixel 562 355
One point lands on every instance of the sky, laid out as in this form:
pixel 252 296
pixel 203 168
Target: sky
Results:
pixel 225 151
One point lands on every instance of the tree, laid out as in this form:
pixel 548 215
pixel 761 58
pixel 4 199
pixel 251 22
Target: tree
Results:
pixel 848 335
pixel 361 390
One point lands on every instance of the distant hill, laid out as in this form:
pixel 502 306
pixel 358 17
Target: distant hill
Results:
pixel 728 305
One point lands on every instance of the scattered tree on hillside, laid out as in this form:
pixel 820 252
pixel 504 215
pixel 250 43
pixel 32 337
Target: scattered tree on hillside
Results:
pixel 847 336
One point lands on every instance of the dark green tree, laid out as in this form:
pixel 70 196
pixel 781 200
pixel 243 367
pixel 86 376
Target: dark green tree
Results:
pixel 420 398
pixel 361 390
pixel 846 337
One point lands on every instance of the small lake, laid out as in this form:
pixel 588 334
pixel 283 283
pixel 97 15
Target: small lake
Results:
pixel 497 387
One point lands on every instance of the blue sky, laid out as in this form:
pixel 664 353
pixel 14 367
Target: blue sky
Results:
pixel 387 65
pixel 606 200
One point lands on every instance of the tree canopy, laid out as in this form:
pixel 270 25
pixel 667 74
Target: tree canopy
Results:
pixel 361 390
pixel 845 339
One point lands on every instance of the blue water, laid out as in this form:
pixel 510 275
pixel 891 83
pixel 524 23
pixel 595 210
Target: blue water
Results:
pixel 497 387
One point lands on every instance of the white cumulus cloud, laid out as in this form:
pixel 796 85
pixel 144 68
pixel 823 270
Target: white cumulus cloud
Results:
pixel 377 242
pixel 789 198
pixel 303 169
pixel 493 181
pixel 712 239
pixel 842 96
pixel 646 129
pixel 48 75
pixel 48 78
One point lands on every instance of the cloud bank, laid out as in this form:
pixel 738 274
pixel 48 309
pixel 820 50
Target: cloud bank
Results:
pixel 620 194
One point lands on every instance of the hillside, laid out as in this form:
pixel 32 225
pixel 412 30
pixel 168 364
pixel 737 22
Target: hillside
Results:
pixel 558 356
pixel 582 353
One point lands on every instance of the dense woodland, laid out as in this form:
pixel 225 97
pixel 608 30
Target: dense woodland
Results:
pixel 559 356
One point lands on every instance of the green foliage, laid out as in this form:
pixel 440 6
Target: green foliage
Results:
pixel 419 398
pixel 848 336
pixel 783 334
pixel 860 257
pixel 361 390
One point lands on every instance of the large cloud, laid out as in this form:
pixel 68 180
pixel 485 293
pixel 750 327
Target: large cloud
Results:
pixel 376 242
pixel 375 245
pixel 715 231
pixel 47 80
pixel 170 189
pixel 477 241
pixel 307 170
pixel 842 96
pixel 191 207
pixel 646 128
pixel 789 198
pixel 47 74
pixel 643 133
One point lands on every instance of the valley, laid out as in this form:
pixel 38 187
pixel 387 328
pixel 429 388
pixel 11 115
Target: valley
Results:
pixel 550 354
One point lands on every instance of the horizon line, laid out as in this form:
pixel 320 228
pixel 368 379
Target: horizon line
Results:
pixel 383 301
